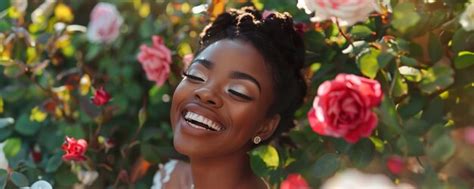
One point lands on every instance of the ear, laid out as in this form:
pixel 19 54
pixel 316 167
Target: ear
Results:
pixel 268 127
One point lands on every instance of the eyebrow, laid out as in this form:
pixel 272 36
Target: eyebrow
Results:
pixel 241 75
pixel 206 63
pixel 234 75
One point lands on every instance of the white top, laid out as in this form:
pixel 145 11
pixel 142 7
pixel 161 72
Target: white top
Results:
pixel 163 175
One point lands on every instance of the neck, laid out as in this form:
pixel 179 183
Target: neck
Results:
pixel 224 172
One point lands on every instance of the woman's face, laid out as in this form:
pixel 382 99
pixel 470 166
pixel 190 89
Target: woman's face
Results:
pixel 221 103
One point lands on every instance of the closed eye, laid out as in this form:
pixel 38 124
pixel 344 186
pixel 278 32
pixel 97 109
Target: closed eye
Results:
pixel 193 77
pixel 245 97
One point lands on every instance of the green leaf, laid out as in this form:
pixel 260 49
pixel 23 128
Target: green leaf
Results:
pixel 378 144
pixel 410 145
pixel 384 59
pixel 408 61
pixel 436 78
pixel 12 147
pixel 3 178
pixel 360 31
pixel 368 63
pixel 146 28
pixel 268 154
pixel 362 153
pixel 326 165
pixel 462 40
pixel 19 179
pixel 54 162
pixel 435 48
pixel 5 133
pixel 4 122
pixel 14 70
pixel 65 178
pixel 400 87
pixel 1 104
pixel 415 104
pixel 93 51
pixel 264 159
pixel 410 73
pixel 405 16
pixel 26 127
pixel 434 112
pixel 416 126
pixel 142 116
pixel 4 5
pixel 464 60
pixel 388 115
pixel 442 149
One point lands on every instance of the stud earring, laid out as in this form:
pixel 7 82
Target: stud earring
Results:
pixel 257 140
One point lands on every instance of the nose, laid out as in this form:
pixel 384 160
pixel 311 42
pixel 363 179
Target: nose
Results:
pixel 208 97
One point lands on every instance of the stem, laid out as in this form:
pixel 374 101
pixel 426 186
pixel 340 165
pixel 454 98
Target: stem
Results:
pixel 348 39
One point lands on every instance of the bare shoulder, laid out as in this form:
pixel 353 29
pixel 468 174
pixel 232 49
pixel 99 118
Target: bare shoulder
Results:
pixel 173 174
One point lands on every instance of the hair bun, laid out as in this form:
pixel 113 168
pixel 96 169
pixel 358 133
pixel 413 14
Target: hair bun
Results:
pixel 281 46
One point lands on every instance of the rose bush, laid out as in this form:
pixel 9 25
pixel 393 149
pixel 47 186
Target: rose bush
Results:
pixel 343 107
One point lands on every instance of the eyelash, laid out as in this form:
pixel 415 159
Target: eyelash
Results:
pixel 240 95
pixel 192 77
pixel 233 92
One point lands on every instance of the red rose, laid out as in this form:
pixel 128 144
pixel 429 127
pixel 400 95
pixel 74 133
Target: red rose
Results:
pixel 343 107
pixel 294 181
pixel 101 97
pixel 75 149
pixel 395 164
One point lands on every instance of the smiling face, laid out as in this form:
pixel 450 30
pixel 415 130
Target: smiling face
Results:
pixel 222 102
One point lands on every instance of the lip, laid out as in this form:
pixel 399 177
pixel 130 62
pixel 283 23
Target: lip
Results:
pixel 196 108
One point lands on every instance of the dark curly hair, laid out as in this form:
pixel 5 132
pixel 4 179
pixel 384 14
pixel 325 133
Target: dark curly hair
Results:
pixel 281 46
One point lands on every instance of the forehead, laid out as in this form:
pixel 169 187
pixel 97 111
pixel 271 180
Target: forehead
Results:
pixel 236 55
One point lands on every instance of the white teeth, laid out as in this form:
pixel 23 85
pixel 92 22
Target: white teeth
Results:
pixel 201 119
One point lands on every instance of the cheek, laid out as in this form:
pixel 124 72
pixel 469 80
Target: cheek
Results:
pixel 180 94
pixel 246 118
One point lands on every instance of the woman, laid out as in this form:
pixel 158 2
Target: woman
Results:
pixel 242 88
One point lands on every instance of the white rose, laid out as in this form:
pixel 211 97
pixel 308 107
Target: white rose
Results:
pixel 354 179
pixel 105 22
pixel 3 159
pixel 346 12
pixel 467 18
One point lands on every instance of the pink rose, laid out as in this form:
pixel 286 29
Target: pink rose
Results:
pixel 395 164
pixel 105 22
pixel 155 60
pixel 75 149
pixel 343 107
pixel 294 181
pixel 348 12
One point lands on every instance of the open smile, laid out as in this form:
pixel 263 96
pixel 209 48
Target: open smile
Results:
pixel 199 121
